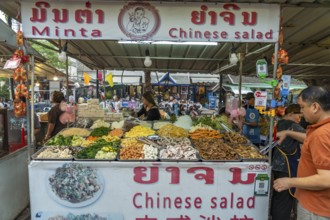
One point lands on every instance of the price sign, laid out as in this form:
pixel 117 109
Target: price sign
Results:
pixel 260 99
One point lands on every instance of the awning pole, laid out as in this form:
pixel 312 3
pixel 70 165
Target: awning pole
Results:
pixel 31 138
pixel 272 118
pixel 67 77
pixel 97 85
pixel 241 59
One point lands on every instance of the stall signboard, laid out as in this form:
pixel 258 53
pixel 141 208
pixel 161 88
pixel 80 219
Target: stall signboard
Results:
pixel 124 104
pixel 54 86
pixel 149 191
pixel 212 102
pixel 151 21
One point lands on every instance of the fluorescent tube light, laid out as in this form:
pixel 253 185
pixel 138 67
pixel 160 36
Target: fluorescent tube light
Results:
pixel 169 42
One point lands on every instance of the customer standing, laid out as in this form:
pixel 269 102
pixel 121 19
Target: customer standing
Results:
pixel 313 178
pixel 250 121
pixel 285 163
pixel 54 123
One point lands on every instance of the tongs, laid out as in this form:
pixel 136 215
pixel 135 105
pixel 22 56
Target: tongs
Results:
pixel 149 142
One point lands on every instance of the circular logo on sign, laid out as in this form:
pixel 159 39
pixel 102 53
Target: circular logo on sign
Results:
pixel 138 20
pixel 252 115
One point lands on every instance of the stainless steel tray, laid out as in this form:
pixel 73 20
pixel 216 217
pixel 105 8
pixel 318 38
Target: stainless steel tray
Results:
pixel 179 160
pixel 74 149
pixel 136 159
pixel 245 159
pixel 113 159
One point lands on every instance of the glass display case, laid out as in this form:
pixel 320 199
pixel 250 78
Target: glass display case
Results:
pixel 3 132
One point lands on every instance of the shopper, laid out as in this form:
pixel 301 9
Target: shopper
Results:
pixel 285 163
pixel 313 178
pixel 149 111
pixel 250 121
pixel 54 123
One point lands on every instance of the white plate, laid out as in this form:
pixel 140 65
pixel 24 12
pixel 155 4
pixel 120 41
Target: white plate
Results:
pixel 47 215
pixel 153 137
pixel 84 203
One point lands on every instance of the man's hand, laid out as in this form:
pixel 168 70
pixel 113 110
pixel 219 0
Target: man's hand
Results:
pixel 281 135
pixel 282 184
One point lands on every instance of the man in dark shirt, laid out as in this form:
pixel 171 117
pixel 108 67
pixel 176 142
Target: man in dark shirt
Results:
pixel 285 163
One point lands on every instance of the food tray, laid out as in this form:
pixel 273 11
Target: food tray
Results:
pixel 161 121
pixel 228 142
pixel 216 147
pixel 64 129
pixel 96 160
pixel 198 158
pixel 244 159
pixel 137 160
pixel 226 161
pixel 35 155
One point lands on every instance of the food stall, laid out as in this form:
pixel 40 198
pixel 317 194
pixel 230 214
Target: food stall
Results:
pixel 188 177
pixel 136 172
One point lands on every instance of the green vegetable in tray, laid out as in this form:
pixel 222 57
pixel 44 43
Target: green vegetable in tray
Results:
pixel 88 152
pixel 205 120
pixel 98 152
pixel 213 122
pixel 77 141
pixel 60 140
pixel 99 132
pixel 107 152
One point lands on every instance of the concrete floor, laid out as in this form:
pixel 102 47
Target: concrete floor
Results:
pixel 24 215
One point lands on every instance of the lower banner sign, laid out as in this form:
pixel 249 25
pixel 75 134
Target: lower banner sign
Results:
pixel 149 191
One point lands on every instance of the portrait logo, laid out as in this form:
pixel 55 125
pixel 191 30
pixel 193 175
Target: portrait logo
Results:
pixel 252 115
pixel 139 20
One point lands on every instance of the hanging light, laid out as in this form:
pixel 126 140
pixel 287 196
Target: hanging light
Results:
pixel 62 54
pixel 147 61
pixel 233 59
pixel 37 84
pixel 55 78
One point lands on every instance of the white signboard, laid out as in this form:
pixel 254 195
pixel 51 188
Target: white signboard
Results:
pixel 12 63
pixel 260 99
pixel 157 21
pixel 146 190
pixel 54 85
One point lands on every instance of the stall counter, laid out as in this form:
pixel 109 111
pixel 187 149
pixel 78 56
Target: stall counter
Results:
pixel 136 190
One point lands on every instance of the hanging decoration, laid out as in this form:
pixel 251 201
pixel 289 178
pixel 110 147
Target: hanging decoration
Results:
pixel 279 72
pixel 87 78
pixel 109 79
pixel 282 59
pixel 20 77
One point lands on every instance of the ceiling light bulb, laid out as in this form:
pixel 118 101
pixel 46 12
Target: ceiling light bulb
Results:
pixel 55 78
pixel 37 84
pixel 147 61
pixel 62 56
pixel 233 58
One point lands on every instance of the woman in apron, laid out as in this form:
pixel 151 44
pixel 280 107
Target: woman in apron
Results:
pixel 251 128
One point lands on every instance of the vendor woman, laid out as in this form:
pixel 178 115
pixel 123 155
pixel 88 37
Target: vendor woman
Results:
pixel 149 111
pixel 54 123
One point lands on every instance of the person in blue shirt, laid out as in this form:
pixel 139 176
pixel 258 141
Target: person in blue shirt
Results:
pixel 251 121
